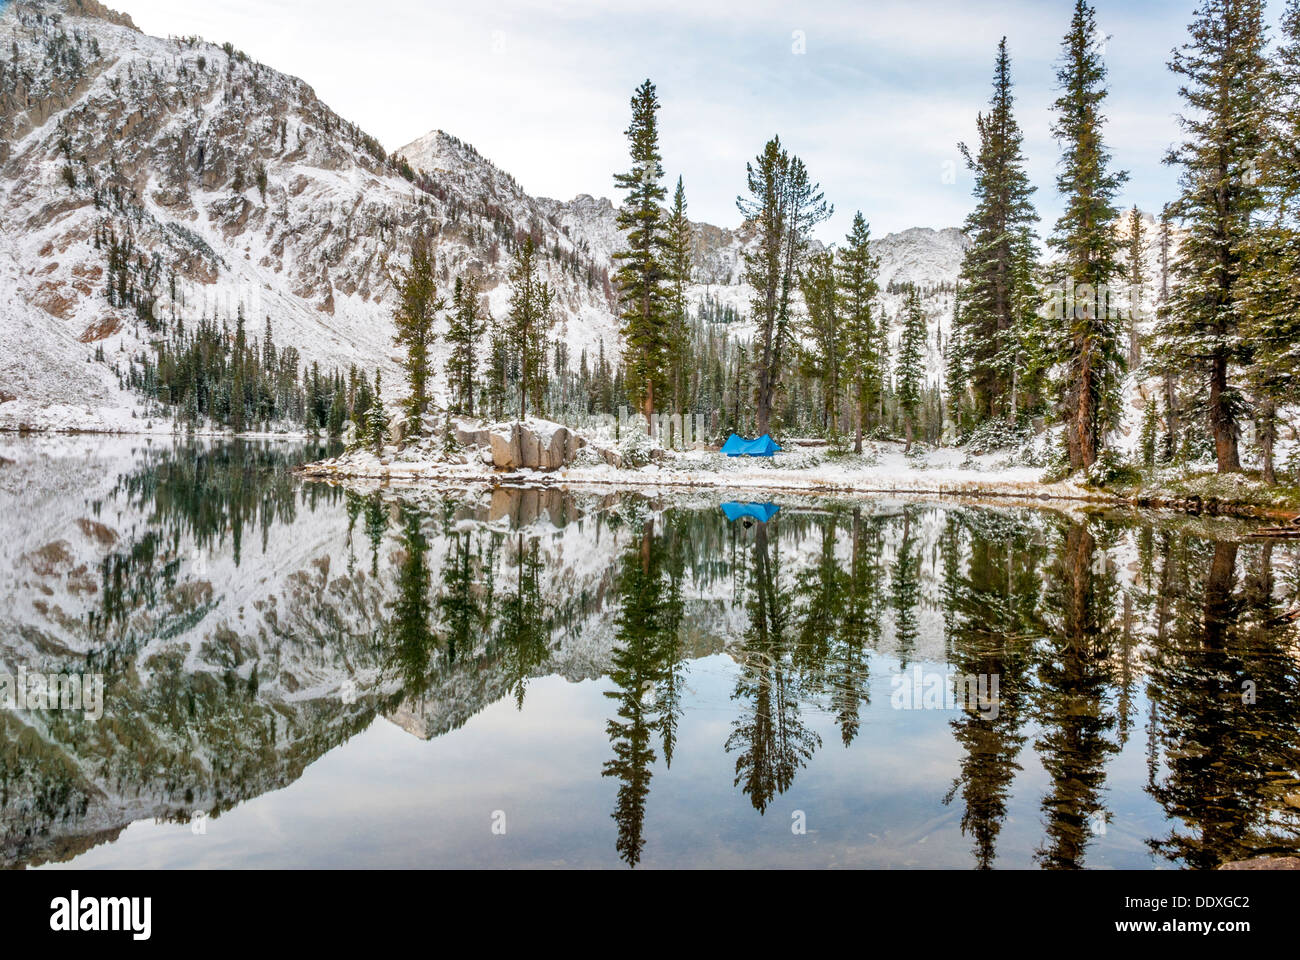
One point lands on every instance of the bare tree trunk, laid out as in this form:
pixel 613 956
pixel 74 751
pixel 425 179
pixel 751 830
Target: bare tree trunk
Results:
pixel 649 407
pixel 857 429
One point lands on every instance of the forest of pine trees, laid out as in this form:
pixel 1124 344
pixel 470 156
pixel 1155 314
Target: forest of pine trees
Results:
pixel 1222 352
pixel 1045 326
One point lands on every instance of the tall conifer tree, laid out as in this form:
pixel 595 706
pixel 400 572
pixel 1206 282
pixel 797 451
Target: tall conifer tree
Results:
pixel 641 279
pixel 1271 272
pixel 1090 341
pixel 417 309
pixel 857 270
pixel 1224 75
pixel 998 318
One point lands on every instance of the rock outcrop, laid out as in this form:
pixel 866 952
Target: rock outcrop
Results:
pixel 533 444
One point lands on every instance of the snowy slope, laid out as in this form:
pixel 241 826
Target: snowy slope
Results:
pixel 230 186
pixel 231 178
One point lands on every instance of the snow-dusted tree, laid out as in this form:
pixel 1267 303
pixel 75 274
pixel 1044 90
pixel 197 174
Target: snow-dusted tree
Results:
pixel 956 364
pixel 1169 446
pixel 1224 73
pixel 1137 279
pixel 856 271
pixel 528 326
pixel 910 372
pixel 678 244
pixel 1271 266
pixel 998 316
pixel 1090 338
pixel 641 279
pixel 1150 431
pixel 376 432
pixel 824 341
pixel 417 311
pixel 465 327
pixel 784 205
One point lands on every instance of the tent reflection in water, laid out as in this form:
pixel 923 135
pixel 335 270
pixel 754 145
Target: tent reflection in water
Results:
pixel 738 446
pixel 747 513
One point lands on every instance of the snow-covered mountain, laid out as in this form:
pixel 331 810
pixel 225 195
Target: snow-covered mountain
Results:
pixel 156 165
pixel 141 175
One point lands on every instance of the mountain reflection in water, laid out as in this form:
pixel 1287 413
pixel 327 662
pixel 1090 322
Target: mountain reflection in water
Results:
pixel 714 687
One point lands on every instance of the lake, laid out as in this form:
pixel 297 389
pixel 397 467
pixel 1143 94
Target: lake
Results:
pixel 299 675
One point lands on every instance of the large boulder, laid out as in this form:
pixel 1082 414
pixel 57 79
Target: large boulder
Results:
pixel 533 444
pixel 505 447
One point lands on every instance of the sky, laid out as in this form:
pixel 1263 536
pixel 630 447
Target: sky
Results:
pixel 873 95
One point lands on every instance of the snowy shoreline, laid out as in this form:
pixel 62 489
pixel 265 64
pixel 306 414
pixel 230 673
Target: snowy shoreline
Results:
pixel 885 470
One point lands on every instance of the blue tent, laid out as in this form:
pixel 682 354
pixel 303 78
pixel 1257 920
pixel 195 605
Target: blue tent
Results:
pixel 762 512
pixel 737 446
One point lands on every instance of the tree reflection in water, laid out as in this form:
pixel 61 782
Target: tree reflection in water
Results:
pixel 1109 634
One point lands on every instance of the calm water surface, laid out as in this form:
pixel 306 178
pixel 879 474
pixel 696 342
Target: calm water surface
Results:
pixel 299 675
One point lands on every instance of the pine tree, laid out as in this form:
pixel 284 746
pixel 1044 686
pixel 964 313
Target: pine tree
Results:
pixel 998 316
pixel 1271 268
pixel 856 270
pixel 957 365
pixel 1170 443
pixel 823 334
pixel 465 327
pixel 528 326
pixel 784 205
pixel 1224 78
pixel 641 278
pixel 417 309
pixel 1150 432
pixel 237 417
pixel 910 372
pixel 678 244
pixel 377 420
pixel 1136 281
pixel 1085 238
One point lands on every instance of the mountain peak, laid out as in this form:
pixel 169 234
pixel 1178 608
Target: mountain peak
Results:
pixel 82 8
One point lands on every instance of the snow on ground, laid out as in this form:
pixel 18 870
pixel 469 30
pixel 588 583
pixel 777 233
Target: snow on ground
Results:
pixel 882 468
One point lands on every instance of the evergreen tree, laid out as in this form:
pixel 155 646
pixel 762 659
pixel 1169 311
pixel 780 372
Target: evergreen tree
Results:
pixel 377 420
pixel 465 327
pixel 1137 279
pixel 1085 238
pixel 1224 79
pixel 856 271
pixel 417 309
pixel 784 205
pixel 956 365
pixel 1271 271
pixel 911 363
pixel 1150 431
pixel 824 340
pixel 237 418
pixel 1170 442
pixel 998 318
pixel 528 326
pixel 641 277
pixel 678 245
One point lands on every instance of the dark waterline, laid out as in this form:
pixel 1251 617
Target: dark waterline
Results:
pixel 297 675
